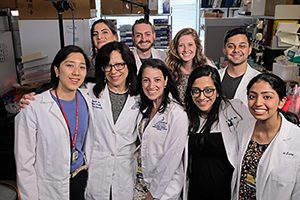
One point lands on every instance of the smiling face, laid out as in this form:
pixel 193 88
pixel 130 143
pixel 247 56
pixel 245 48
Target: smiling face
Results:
pixel 237 49
pixel 153 83
pixel 71 72
pixel 186 48
pixel 143 37
pixel 116 79
pixel 264 102
pixel 102 35
pixel 203 102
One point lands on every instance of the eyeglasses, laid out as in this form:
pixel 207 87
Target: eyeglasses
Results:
pixel 117 66
pixel 208 92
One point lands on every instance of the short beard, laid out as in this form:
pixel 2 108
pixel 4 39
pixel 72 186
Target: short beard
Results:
pixel 144 49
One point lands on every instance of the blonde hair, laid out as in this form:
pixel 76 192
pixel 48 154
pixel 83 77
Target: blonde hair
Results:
pixel 174 62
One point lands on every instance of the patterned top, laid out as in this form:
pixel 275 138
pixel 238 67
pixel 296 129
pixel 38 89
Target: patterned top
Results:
pixel 250 162
pixel 140 183
pixel 181 87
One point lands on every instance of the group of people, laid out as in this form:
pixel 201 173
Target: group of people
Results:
pixel 155 125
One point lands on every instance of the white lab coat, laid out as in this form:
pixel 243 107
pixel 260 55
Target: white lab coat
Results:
pixel 42 149
pixel 278 172
pixel 112 161
pixel 154 52
pixel 162 152
pixel 230 118
pixel 241 91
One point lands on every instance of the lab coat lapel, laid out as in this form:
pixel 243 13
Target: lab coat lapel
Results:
pixel 91 112
pixel 241 89
pixel 267 162
pixel 130 105
pixel 54 110
pixel 230 139
pixel 106 105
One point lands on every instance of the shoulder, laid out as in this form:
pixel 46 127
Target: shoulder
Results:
pixel 39 103
pixel 293 128
pixel 235 107
pixel 252 70
pixel 237 103
pixel 176 110
pixel 232 104
pixel 159 53
pixel 87 86
pixel 44 97
pixel 211 63
pixel 133 50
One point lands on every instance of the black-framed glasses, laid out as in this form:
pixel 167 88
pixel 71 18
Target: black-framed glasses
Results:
pixel 208 92
pixel 117 66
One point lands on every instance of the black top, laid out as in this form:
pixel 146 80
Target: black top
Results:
pixel 210 171
pixel 230 85
pixel 250 162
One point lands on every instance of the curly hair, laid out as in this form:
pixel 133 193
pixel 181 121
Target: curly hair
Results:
pixel 174 62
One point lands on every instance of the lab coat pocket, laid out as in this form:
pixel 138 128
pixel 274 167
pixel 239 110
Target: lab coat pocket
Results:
pixel 96 177
pixel 284 172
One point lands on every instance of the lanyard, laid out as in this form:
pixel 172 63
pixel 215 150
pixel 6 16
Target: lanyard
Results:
pixel 73 140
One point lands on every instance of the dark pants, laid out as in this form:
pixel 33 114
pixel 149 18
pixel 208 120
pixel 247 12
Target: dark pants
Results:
pixel 77 185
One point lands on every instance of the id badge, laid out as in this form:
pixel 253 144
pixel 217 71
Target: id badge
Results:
pixel 74 155
pixel 250 181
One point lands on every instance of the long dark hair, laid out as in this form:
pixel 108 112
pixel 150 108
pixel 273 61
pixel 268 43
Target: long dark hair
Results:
pixel 103 58
pixel 192 110
pixel 146 103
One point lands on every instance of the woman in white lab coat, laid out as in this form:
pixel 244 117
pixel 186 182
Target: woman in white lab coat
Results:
pixel 269 158
pixel 50 133
pixel 212 146
pixel 163 126
pixel 116 107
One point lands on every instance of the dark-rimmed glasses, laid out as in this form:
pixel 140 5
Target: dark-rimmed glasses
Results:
pixel 208 92
pixel 117 66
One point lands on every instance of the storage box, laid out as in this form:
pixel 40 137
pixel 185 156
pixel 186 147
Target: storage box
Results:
pixel 286 72
pixel 41 9
pixel 270 6
pixel 119 7
pixel 209 14
pixel 12 4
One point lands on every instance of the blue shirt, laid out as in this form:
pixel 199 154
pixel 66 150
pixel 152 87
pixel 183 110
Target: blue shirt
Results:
pixel 83 119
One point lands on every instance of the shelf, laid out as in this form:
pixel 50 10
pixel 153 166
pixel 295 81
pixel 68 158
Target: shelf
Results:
pixel 221 8
pixel 135 15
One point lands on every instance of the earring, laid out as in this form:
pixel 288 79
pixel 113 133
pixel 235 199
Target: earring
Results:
pixel 56 75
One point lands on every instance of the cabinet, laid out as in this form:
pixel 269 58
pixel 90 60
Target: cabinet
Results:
pixel 9 34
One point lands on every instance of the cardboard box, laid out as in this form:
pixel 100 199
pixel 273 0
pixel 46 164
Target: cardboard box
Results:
pixel 118 7
pixel 208 14
pixel 270 6
pixel 286 72
pixel 44 9
pixel 93 4
pixel 12 4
